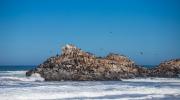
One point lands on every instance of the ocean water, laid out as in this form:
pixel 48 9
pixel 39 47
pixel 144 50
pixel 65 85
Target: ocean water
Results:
pixel 14 85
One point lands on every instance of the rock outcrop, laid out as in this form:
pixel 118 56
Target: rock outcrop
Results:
pixel 75 64
pixel 170 69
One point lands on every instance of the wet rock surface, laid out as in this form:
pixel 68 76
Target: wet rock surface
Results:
pixel 76 65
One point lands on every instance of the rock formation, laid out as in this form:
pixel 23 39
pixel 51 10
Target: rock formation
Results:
pixel 75 64
pixel 168 69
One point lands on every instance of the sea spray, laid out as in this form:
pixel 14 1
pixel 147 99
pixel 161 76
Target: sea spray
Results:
pixel 19 87
pixel 19 76
pixel 36 77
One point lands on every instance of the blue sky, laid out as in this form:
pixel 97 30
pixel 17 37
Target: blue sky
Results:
pixel 33 30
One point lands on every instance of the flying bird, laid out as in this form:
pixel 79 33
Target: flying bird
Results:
pixel 141 53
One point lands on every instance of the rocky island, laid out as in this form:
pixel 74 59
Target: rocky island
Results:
pixel 168 69
pixel 77 65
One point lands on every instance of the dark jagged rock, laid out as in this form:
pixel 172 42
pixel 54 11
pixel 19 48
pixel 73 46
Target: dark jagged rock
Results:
pixel 168 69
pixel 75 64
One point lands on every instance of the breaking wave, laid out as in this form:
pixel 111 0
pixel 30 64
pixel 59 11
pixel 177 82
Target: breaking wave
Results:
pixel 14 85
pixel 18 76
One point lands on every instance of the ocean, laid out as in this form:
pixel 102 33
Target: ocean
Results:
pixel 14 85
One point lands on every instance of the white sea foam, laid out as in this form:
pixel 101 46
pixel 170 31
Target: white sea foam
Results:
pixel 19 76
pixel 33 78
pixel 29 88
pixel 153 79
pixel 12 73
pixel 48 92
pixel 36 77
